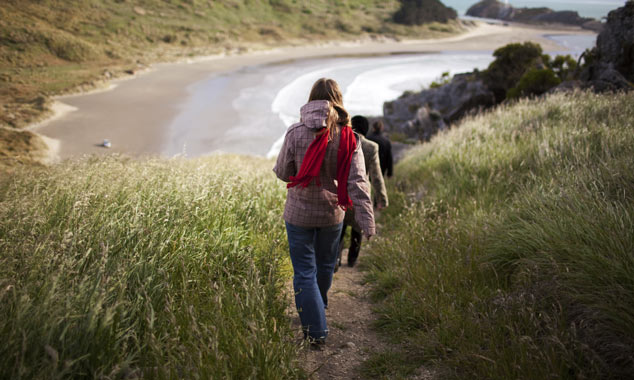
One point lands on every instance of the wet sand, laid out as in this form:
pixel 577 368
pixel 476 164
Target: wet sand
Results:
pixel 136 113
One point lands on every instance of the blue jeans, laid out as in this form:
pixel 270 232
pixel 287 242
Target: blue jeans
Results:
pixel 313 254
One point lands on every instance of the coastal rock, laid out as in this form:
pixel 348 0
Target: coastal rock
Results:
pixel 607 78
pixel 561 17
pixel 491 9
pixel 611 63
pixel 421 115
pixel 594 25
pixel 615 44
pixel 418 12
pixel 497 10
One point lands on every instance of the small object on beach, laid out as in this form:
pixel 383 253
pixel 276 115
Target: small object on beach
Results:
pixel 106 143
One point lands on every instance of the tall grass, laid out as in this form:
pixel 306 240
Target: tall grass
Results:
pixel 118 268
pixel 509 251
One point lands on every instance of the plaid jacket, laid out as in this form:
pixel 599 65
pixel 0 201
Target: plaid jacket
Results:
pixel 316 206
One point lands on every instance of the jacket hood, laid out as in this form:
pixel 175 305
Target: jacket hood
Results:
pixel 315 114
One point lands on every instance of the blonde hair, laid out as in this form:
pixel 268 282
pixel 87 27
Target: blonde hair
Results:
pixel 328 89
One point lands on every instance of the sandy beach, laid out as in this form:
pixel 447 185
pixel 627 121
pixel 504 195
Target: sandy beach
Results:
pixel 135 114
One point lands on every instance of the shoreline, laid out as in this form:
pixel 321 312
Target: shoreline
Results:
pixel 82 120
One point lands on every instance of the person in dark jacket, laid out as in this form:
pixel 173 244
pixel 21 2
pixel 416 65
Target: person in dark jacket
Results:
pixel 385 147
pixel 370 150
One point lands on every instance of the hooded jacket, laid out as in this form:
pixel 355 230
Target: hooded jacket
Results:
pixel 316 206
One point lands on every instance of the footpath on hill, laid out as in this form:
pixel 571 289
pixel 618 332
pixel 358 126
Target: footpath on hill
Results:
pixel 351 339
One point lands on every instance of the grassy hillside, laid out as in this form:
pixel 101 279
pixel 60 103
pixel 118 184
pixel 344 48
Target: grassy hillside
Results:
pixel 118 268
pixel 508 251
pixel 48 47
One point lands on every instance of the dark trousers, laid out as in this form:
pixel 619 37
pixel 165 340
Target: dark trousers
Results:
pixel 355 244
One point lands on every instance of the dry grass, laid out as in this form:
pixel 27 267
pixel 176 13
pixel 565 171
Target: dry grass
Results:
pixel 119 268
pixel 509 249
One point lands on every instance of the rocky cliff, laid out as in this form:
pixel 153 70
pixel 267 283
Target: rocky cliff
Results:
pixel 500 11
pixel 420 115
pixel 611 62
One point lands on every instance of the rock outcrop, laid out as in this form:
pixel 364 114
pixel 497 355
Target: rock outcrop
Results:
pixel 491 9
pixel 611 62
pixel 418 12
pixel 500 11
pixel 421 115
pixel 616 43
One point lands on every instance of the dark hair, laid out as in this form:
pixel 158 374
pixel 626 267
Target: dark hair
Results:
pixel 377 127
pixel 360 125
pixel 328 89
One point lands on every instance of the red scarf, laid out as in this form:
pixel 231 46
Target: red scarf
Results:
pixel 311 165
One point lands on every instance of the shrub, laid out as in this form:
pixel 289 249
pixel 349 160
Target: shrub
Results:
pixel 534 82
pixel 564 66
pixel 511 62
pixel 441 81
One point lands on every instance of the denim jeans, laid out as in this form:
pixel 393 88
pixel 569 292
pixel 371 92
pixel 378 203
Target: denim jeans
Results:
pixel 313 254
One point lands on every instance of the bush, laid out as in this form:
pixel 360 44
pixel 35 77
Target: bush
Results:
pixel 534 82
pixel 441 81
pixel 511 62
pixel 564 66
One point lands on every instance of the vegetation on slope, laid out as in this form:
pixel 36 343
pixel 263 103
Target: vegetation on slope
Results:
pixel 119 268
pixel 508 251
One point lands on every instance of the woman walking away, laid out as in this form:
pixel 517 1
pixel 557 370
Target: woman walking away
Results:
pixel 322 161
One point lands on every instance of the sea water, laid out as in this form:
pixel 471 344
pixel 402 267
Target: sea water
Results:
pixel 586 8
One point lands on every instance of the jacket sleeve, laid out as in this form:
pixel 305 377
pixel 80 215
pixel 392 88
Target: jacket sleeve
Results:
pixel 376 177
pixel 359 192
pixel 285 164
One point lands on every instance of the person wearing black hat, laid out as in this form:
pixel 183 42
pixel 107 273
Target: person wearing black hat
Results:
pixel 370 150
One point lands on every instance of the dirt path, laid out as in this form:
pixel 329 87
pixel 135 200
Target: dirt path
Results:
pixel 351 339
